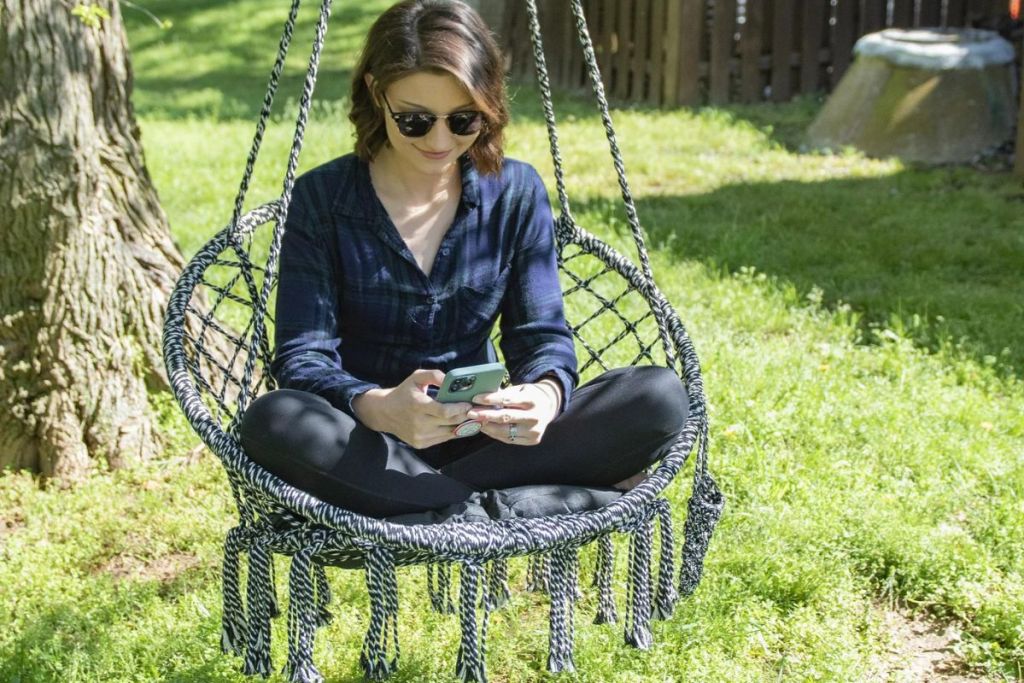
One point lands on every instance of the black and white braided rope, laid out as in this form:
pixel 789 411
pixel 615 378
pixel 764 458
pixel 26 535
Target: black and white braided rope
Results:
pixel 233 626
pixel 302 615
pixel 382 633
pixel 498 591
pixel 469 662
pixel 561 629
pixel 603 575
pixel 638 597
pixel 667 596
pixel 257 653
pixel 259 324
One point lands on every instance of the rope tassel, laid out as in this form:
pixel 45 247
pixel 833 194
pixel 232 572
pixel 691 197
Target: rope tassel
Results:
pixel 702 514
pixel 665 602
pixel 606 613
pixel 562 631
pixel 301 620
pixel 233 628
pixel 257 655
pixel 275 608
pixel 323 595
pixel 469 663
pixel 574 576
pixel 538 574
pixel 498 591
pixel 382 633
pixel 439 588
pixel 638 601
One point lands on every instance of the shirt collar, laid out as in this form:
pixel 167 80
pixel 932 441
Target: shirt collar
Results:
pixel 361 201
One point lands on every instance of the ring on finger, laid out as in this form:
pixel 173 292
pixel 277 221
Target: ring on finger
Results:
pixel 513 431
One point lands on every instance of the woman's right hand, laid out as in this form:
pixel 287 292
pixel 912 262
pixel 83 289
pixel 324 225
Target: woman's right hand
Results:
pixel 408 412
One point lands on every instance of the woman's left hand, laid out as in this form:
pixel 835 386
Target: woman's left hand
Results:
pixel 518 414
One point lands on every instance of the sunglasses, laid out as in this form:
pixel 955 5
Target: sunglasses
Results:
pixel 417 124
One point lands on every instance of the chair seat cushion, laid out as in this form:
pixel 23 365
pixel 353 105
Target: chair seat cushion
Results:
pixel 538 500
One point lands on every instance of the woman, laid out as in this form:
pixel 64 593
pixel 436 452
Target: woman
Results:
pixel 395 263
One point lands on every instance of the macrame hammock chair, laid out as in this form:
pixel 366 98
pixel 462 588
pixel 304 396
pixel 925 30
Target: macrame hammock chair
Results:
pixel 222 289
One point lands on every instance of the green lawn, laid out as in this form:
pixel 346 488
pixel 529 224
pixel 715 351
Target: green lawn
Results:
pixel 857 322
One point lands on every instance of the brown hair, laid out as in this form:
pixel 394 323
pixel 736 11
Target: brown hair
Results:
pixel 436 36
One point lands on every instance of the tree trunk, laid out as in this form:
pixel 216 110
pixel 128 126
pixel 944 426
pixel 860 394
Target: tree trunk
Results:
pixel 86 256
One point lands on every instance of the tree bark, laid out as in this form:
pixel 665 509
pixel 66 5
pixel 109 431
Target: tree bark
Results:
pixel 86 257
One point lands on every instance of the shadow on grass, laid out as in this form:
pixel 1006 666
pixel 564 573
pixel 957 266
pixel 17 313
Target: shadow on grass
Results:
pixel 934 256
pixel 215 59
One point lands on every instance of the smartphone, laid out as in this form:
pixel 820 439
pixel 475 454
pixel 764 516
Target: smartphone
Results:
pixel 462 384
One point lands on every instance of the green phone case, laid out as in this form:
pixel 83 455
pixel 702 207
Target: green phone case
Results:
pixel 462 384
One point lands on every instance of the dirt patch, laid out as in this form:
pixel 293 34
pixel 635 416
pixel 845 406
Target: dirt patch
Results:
pixel 164 569
pixel 921 651
pixel 9 525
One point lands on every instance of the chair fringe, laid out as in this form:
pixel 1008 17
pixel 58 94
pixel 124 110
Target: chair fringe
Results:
pixel 561 623
pixel 439 587
pixel 665 602
pixel 469 663
pixel 538 574
pixel 382 633
pixel 258 597
pixel 702 514
pixel 606 613
pixel 233 628
pixel 275 607
pixel 323 595
pixel 638 599
pixel 301 619
pixel 498 591
pixel 574 575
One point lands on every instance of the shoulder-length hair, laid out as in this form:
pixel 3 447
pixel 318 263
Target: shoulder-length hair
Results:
pixel 436 36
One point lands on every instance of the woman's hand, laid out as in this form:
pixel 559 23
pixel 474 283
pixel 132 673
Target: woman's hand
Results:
pixel 520 413
pixel 409 413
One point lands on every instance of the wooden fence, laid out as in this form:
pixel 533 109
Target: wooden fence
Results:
pixel 686 52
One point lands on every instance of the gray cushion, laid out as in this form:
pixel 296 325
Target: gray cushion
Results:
pixel 539 500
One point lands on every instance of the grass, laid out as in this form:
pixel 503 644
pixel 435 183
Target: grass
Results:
pixel 856 321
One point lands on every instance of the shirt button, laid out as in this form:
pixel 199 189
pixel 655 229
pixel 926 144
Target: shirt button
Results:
pixel 432 298
pixel 444 252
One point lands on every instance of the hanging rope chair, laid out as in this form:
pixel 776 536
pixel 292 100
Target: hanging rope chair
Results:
pixel 617 316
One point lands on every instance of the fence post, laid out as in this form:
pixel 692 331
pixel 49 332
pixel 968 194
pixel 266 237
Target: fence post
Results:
pixel 1018 166
pixel 782 50
pixel 721 51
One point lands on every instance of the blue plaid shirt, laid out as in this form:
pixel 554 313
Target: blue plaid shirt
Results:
pixel 355 311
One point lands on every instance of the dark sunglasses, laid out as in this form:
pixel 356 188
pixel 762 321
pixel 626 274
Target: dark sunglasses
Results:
pixel 417 124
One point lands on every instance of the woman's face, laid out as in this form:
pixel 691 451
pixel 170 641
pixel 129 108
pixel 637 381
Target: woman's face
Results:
pixel 439 94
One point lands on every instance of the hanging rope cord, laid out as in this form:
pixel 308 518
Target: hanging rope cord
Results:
pixel 590 58
pixel 260 301
pixel 544 82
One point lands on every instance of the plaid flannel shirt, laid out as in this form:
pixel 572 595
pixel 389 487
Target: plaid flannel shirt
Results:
pixel 355 311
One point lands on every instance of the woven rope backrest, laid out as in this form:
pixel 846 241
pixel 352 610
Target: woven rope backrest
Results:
pixel 217 341
pixel 612 322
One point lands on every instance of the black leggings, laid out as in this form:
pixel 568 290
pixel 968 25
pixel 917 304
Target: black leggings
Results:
pixel 614 426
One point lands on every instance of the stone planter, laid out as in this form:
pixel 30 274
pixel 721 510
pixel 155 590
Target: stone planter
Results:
pixel 924 95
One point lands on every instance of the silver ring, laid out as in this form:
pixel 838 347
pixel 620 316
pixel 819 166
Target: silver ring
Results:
pixel 513 431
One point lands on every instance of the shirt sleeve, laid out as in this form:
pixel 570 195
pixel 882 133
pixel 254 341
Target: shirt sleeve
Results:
pixel 535 339
pixel 307 342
